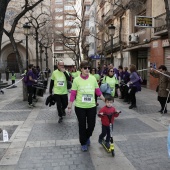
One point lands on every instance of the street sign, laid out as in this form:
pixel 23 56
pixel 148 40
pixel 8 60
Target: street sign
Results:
pixel 144 21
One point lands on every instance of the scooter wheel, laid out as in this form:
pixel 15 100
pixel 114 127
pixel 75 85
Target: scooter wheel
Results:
pixel 113 153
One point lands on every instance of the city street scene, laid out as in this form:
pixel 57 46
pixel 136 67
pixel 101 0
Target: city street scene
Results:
pixel 84 85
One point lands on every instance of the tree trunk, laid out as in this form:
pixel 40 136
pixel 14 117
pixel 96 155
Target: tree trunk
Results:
pixel 3 7
pixel 167 8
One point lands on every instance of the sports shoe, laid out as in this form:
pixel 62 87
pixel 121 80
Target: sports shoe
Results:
pixel 100 141
pixel 64 113
pixel 60 120
pixel 31 105
pixel 132 106
pixel 84 148
pixel 107 145
pixel 88 142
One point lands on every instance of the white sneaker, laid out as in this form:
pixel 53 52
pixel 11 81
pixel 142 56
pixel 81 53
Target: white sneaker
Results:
pixel 31 105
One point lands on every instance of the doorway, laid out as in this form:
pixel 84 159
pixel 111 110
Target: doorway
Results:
pixel 12 63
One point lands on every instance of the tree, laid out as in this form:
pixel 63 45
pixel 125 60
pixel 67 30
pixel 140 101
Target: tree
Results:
pixel 37 21
pixel 3 7
pixel 26 7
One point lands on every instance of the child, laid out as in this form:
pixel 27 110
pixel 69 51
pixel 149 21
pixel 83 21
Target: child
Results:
pixel 107 110
pixel 13 77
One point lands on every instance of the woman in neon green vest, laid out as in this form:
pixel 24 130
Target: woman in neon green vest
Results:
pixel 111 80
pixel 13 77
pixel 97 76
pixel 74 72
pixel 83 92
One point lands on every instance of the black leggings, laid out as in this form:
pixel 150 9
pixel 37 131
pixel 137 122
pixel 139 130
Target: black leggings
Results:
pixel 105 131
pixel 162 101
pixel 87 120
pixel 62 102
pixel 132 95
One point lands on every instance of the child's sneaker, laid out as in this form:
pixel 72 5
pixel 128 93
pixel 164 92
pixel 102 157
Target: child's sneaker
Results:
pixel 84 148
pixel 88 142
pixel 100 141
pixel 107 145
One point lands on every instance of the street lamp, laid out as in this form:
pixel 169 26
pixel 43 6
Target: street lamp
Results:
pixel 26 28
pixel 111 33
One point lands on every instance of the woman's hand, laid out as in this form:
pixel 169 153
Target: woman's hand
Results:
pixel 69 108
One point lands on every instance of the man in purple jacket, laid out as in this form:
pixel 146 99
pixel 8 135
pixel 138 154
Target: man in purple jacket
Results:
pixel 30 83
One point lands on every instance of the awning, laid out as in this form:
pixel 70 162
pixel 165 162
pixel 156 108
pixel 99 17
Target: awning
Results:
pixel 137 47
pixel 67 61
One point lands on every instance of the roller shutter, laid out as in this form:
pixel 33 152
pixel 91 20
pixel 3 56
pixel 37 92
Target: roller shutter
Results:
pixel 167 58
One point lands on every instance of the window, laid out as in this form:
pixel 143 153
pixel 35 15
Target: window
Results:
pixel 59 10
pixel 68 23
pixel 59 1
pixel 59 48
pixel 70 17
pixel 59 17
pixel 59 25
pixel 68 8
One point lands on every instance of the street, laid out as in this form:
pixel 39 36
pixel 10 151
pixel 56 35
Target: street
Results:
pixel 37 141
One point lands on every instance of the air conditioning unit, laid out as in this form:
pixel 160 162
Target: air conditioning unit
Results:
pixel 133 38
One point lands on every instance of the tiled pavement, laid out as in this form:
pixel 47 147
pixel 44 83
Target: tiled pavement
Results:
pixel 38 142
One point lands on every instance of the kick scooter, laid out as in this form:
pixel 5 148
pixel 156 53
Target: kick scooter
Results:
pixel 111 149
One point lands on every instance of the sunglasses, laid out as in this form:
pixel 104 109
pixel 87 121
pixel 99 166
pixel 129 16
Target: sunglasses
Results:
pixel 85 68
pixel 111 71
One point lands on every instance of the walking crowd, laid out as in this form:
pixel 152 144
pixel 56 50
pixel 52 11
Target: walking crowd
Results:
pixel 85 85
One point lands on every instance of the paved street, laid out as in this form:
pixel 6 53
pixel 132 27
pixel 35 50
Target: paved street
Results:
pixel 38 142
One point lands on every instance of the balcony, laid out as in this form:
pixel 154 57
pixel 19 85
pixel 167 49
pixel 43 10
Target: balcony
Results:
pixel 87 15
pixel 86 32
pixel 118 9
pixel 87 2
pixel 115 44
pixel 101 3
pixel 108 17
pixel 99 49
pixel 160 27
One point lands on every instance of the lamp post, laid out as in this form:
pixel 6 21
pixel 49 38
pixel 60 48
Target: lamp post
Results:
pixel 26 28
pixel 111 33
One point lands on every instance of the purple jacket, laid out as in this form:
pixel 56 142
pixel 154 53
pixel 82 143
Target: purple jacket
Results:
pixel 134 78
pixel 30 73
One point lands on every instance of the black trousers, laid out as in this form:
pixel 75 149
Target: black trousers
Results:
pixel 7 76
pixel 87 120
pixel 30 92
pixel 162 101
pixel 105 131
pixel 61 102
pixel 132 95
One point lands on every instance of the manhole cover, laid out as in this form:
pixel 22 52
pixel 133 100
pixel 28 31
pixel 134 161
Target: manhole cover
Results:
pixel 9 129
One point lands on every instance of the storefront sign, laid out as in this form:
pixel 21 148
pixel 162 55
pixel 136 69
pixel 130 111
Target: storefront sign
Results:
pixel 165 43
pixel 155 44
pixel 144 21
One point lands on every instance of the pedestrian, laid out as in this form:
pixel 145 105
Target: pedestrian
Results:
pixel 83 91
pixel 30 83
pixel 107 110
pixel 97 76
pixel 74 73
pixel 58 86
pixel 111 80
pixel 163 86
pixel 13 77
pixel 134 85
pixel 7 71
